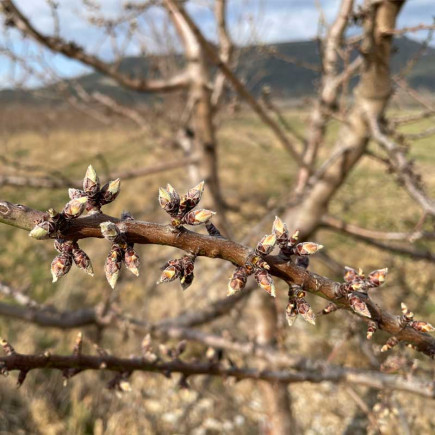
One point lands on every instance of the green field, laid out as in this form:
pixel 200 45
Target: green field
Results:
pixel 256 175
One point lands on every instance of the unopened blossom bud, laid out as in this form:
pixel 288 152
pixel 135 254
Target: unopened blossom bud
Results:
pixel 265 281
pixel 91 183
pixel 113 265
pixel 421 326
pixel 197 217
pixel 75 193
pixel 358 305
pixel 109 230
pixel 307 248
pixel 75 207
pixel 110 191
pixel 60 266
pixel 40 231
pixel 391 342
pixel 191 199
pixel 407 314
pixel 291 312
pixel 294 237
pixel 280 230
pixel 169 200
pixel 65 246
pixel 305 310
pixel 330 308
pixel 350 274
pixel 188 264
pixel 266 244
pixel 131 260
pixel 237 281
pixel 172 270
pixel 377 277
pixel 371 329
pixel 82 261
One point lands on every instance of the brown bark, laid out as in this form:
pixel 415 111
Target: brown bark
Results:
pixel 218 247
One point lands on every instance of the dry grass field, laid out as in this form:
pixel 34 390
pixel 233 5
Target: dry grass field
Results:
pixel 256 175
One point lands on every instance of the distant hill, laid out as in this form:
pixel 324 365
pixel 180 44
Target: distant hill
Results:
pixel 258 66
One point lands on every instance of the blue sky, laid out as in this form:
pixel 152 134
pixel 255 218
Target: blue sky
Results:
pixel 249 21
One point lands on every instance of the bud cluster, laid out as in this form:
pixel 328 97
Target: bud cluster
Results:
pixel 289 245
pixel 298 305
pixel 356 283
pixel 69 252
pixel 256 263
pixel 180 208
pixel 91 198
pixel 96 196
pixel 407 319
pixel 121 252
pixel 181 268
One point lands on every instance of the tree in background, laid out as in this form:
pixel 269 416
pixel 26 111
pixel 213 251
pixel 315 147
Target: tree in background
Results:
pixel 206 71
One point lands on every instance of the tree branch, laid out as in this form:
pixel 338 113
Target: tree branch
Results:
pixel 219 247
pixel 73 51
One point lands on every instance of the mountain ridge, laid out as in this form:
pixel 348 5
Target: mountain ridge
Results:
pixel 258 66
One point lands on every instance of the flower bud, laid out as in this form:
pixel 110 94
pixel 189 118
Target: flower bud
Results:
pixel 266 244
pixel 60 266
pixel 131 260
pixel 305 310
pixel 169 200
pixel 191 199
pixel 109 230
pixel 110 191
pixel 91 183
pixel 65 246
pixel 74 208
pixel 280 230
pixel 359 306
pixel 172 270
pixel 350 274
pixel 113 265
pixel 391 342
pixel 421 326
pixel 265 281
pixel 75 193
pixel 294 238
pixel 407 314
pixel 237 281
pixel 307 248
pixel 40 231
pixel 197 217
pixel 377 277
pixel 291 312
pixel 372 327
pixel 330 308
pixel 188 264
pixel 82 261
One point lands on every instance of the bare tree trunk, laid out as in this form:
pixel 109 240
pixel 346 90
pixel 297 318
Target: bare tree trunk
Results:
pixel 328 93
pixel 202 116
pixel 371 97
pixel 276 398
